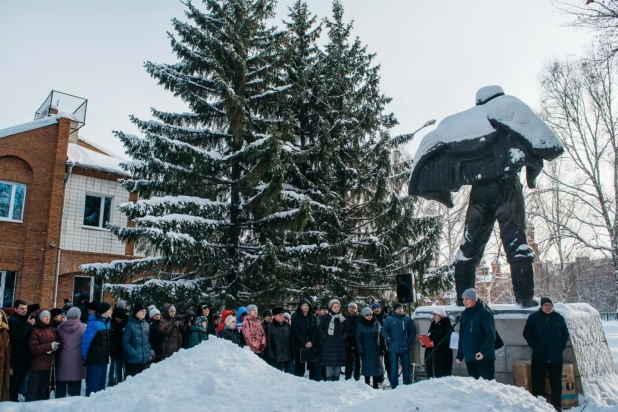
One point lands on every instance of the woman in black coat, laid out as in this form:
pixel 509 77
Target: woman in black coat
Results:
pixel 441 363
pixel 333 336
pixel 368 344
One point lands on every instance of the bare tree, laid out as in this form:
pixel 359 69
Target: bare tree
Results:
pixel 578 99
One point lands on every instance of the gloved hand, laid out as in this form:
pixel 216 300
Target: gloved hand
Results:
pixel 55 346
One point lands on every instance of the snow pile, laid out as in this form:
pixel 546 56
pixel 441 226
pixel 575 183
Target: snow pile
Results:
pixel 455 394
pixel 611 333
pixel 93 160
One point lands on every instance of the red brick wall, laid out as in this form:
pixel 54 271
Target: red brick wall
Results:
pixel 40 155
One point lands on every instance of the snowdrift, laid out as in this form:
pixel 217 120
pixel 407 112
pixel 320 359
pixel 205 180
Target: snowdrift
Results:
pixel 218 375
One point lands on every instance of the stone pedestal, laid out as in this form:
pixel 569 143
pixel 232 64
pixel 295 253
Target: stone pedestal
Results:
pixel 587 349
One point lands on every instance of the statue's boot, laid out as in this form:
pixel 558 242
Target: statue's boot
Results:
pixel 465 278
pixel 522 276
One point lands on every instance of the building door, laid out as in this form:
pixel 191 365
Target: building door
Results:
pixel 89 285
pixel 7 288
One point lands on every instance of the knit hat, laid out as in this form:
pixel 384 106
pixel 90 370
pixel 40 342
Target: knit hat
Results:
pixel 352 305
pixel 153 312
pixel 469 294
pixel 332 302
pixel 366 311
pixel 397 306
pixel 287 315
pixel 545 300
pixel 121 304
pixel 103 307
pixel 201 319
pixel 74 313
pixel 267 312
pixel 376 305
pixel 151 307
pixel 137 307
pixel 171 309
pixel 250 308
pixel 229 320
pixel 278 310
pixel 438 310
pixel 43 313
pixel 93 305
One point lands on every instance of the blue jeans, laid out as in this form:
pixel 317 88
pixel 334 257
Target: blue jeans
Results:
pixel 287 367
pixel 61 388
pixel 96 378
pixel 405 366
pixel 116 371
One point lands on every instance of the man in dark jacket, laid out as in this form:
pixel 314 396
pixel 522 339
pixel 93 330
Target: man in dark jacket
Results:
pixel 280 342
pixel 547 334
pixel 399 332
pixel 96 347
pixel 82 303
pixel 304 325
pixel 20 327
pixel 477 337
pixel 352 357
pixel 118 322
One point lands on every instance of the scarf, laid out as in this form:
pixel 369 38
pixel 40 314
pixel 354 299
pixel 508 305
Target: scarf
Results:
pixel 331 325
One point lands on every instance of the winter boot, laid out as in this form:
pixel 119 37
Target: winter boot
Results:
pixel 522 276
pixel 465 278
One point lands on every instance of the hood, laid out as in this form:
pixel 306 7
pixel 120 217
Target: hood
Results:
pixel 70 325
pixel 304 300
pixel 225 313
pixel 166 310
pixel 241 310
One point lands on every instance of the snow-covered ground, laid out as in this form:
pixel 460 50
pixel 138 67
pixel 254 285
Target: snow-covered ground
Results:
pixel 218 375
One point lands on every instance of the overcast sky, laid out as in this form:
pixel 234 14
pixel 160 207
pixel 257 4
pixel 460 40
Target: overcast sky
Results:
pixel 434 54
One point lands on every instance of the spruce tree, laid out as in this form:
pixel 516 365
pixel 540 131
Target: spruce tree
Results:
pixel 210 180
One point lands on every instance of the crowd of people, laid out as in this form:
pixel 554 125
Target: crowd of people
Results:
pixel 43 350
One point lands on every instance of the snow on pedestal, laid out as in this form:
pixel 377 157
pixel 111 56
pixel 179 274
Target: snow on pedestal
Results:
pixel 587 350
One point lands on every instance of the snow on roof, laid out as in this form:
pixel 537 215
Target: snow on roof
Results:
pixel 93 160
pixel 102 148
pixel 217 375
pixel 36 124
pixel 474 123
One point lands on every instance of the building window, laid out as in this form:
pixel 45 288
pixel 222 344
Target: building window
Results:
pixel 12 199
pixel 97 211
pixel 7 288
pixel 89 285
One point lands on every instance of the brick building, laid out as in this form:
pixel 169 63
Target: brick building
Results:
pixel 57 192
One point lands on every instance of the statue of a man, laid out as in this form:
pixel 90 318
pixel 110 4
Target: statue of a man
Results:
pixel 486 147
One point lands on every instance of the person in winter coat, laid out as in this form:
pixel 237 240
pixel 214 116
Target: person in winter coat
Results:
pixel 214 324
pixel 280 342
pixel 369 347
pixel 304 327
pixel 56 317
pixel 137 351
pixel 205 311
pixel 171 332
pixel 70 369
pixel 224 316
pixel 399 332
pixel 253 332
pixel 118 322
pixel 379 315
pixel 198 332
pixel 352 357
pixel 547 334
pixel 83 300
pixel 43 342
pixel 477 337
pixel 96 347
pixel 240 314
pixel 333 335
pixel 155 335
pixel 5 357
pixel 20 327
pixel 230 332
pixel 439 359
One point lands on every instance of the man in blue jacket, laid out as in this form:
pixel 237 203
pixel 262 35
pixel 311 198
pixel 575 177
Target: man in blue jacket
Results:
pixel 96 347
pixel 477 337
pixel 399 332
pixel 547 334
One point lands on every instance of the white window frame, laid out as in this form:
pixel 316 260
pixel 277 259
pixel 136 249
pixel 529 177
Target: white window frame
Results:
pixel 92 282
pixel 101 214
pixel 12 203
pixel 3 284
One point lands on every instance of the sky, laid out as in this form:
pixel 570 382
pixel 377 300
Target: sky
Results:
pixel 434 55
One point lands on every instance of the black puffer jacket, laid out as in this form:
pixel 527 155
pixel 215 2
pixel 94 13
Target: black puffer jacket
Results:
pixel 233 335
pixel 19 330
pixel 279 342
pixel 333 346
pixel 547 335
pixel 155 339
pixel 352 322
pixel 303 327
pixel 441 363
pixel 118 322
